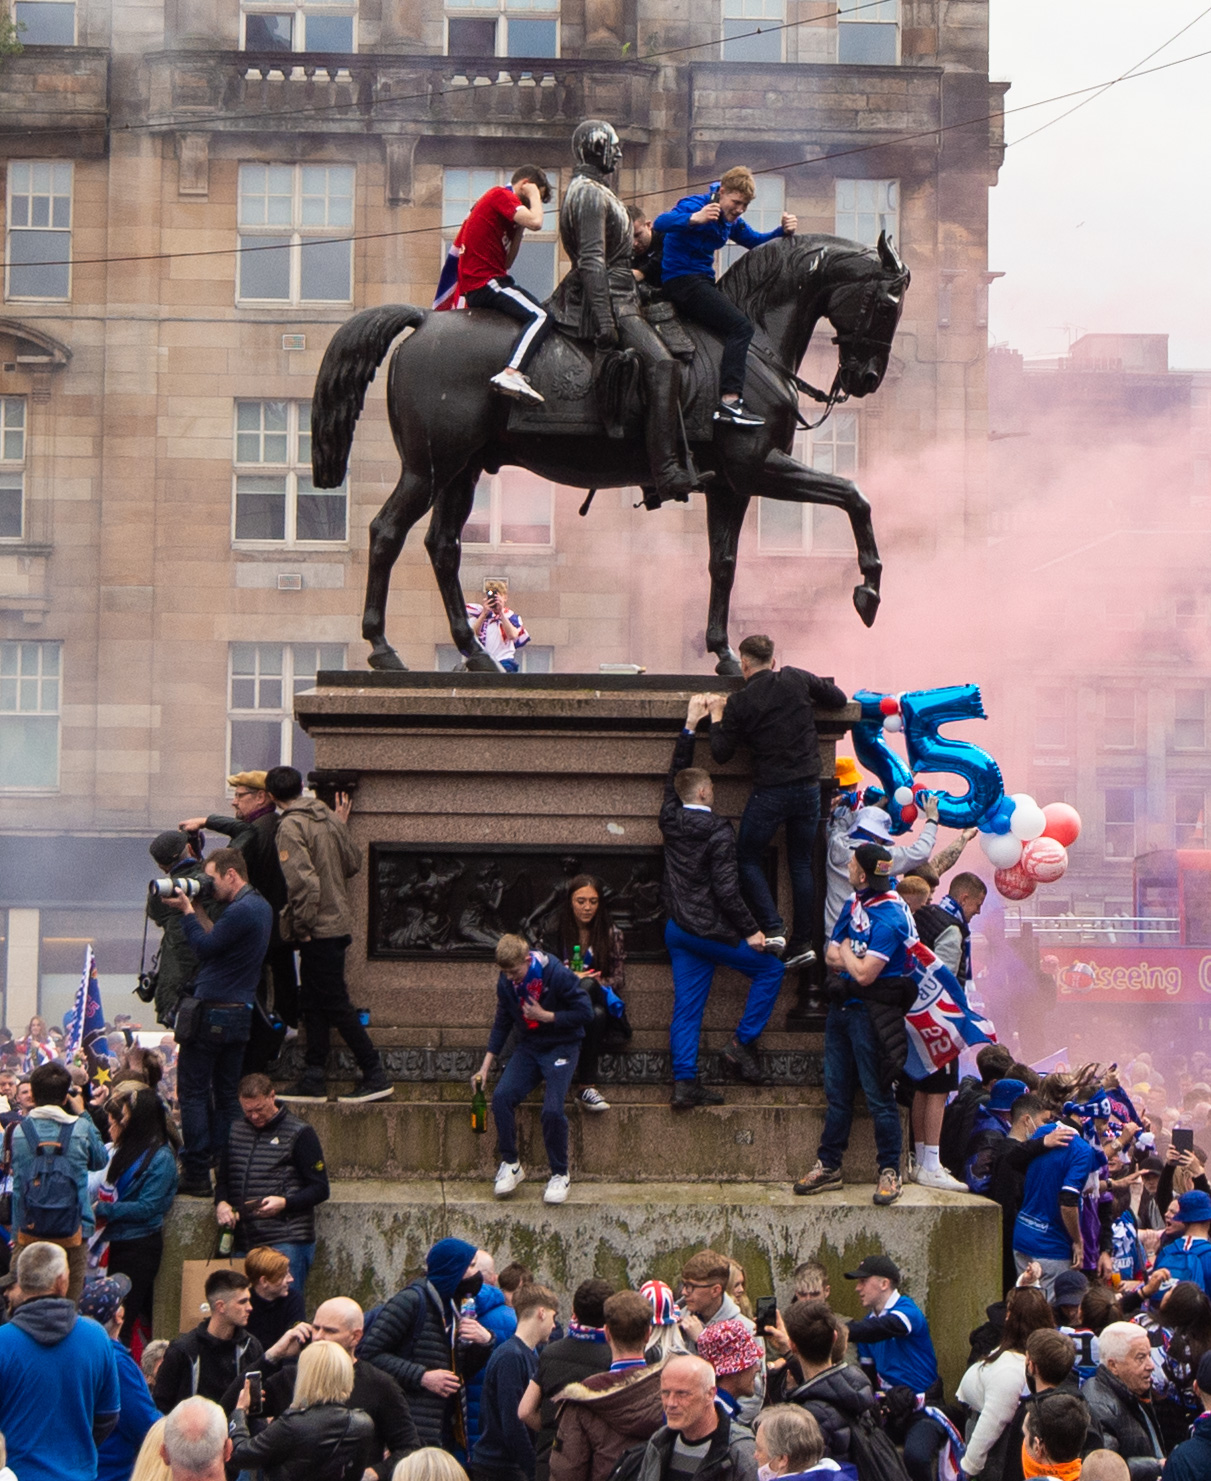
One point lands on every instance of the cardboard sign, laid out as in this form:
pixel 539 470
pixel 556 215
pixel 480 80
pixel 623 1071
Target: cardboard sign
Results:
pixel 193 1288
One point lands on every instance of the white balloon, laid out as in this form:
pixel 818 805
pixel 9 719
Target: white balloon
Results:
pixel 1028 820
pixel 903 795
pixel 893 723
pixel 1002 850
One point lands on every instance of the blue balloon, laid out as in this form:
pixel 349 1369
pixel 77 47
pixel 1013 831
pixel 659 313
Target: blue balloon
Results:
pixel 924 712
pixel 873 752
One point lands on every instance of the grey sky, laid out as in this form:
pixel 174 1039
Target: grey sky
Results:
pixel 1078 209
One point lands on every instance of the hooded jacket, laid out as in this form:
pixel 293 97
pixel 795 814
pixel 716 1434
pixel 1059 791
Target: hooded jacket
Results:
pixel 835 1399
pixel 197 1363
pixel 701 879
pixel 561 993
pixel 1124 1421
pixel 86 1153
pixel 730 1457
pixel 1191 1461
pixel 59 1393
pixel 317 856
pixel 602 1418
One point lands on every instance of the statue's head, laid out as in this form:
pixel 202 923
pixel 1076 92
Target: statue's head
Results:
pixel 596 143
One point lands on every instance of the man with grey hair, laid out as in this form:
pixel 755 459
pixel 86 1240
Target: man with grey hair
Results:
pixel 1119 1396
pixel 59 1394
pixel 698 1434
pixel 196 1444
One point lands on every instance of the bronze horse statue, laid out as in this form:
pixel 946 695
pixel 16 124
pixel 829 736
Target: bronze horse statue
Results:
pixel 450 427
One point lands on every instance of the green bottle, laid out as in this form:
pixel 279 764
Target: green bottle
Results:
pixel 479 1108
pixel 577 958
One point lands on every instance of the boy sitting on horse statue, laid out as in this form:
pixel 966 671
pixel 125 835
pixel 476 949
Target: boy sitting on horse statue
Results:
pixel 695 229
pixel 487 243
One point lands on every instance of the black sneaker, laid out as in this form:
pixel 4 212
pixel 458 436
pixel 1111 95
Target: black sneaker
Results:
pixel 737 414
pixel 373 1087
pixel 798 956
pixel 690 1093
pixel 305 1092
pixel 742 1062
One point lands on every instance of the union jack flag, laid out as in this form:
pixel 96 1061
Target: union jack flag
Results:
pixel 447 296
pixel 87 1018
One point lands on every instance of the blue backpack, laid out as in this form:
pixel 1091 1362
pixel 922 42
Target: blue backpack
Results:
pixel 50 1198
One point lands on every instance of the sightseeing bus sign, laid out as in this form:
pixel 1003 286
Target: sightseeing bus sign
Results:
pixel 1130 974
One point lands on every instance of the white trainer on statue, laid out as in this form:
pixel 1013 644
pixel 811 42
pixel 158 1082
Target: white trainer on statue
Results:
pixel 557 1188
pixel 508 1176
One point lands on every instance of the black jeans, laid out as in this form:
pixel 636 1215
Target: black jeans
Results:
pixel 797 805
pixel 208 1076
pixel 699 299
pixel 326 1006
pixel 138 1260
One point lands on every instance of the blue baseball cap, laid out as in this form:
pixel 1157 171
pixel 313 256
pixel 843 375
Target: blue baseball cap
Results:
pixel 1004 1093
pixel 103 1295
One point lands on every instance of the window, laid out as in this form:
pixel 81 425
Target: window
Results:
pixel 281 503
pixel 764 214
pixel 1190 719
pixel 46 22
pixel 502 28
pixel 868 32
pixel 1051 718
pixel 867 207
pixel 29 715
pixel 294 233
pixel 511 507
pixel 1189 808
pixel 751 30
pixel 534 658
pixel 326 25
pixel 1120 823
pixel 12 466
pixel 39 229
pixel 1120 718
pixel 813 529
pixel 536 264
pixel 265 677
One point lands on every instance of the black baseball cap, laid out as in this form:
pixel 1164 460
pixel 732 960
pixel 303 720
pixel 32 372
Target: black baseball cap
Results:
pixel 876 1265
pixel 874 861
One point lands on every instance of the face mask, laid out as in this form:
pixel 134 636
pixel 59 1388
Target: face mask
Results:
pixel 766 1473
pixel 468 1287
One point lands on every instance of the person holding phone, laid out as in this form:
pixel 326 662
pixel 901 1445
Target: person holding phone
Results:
pixel 591 945
pixel 497 626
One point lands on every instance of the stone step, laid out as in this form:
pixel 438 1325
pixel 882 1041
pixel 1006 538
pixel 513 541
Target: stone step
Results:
pixel 766 1135
pixel 373 1234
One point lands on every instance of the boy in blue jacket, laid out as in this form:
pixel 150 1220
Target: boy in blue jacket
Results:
pixel 544 1001
pixel 695 229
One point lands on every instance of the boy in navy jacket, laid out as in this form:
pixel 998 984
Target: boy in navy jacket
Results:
pixel 544 1001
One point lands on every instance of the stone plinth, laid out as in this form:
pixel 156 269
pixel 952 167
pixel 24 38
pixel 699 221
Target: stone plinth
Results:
pixel 474 763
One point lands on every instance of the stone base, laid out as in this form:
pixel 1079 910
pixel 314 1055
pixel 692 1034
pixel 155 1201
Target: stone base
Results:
pixel 373 1236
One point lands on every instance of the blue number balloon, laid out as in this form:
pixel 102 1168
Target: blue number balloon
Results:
pixel 923 712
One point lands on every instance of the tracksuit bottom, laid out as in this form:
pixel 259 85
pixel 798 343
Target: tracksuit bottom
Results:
pixel 694 961
pixel 554 1064
pixel 503 295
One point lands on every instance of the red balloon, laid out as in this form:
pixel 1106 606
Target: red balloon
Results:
pixel 1014 883
pixel 1063 823
pixel 909 812
pixel 1044 859
pixel 889 705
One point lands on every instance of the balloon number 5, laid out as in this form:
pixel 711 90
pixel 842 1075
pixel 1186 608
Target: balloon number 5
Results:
pixel 920 715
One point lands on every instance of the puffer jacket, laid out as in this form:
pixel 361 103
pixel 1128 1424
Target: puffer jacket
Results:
pixel 1124 1423
pixel 322 1442
pixel 389 1345
pixel 317 857
pixel 835 1399
pixel 701 880
pixel 602 1418
pixel 730 1457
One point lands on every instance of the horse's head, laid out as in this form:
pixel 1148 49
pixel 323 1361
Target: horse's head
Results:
pixel 865 313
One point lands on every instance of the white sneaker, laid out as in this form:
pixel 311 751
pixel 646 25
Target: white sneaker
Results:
pixel 939 1178
pixel 557 1188
pixel 513 383
pixel 508 1176
pixel 914 1169
pixel 593 1100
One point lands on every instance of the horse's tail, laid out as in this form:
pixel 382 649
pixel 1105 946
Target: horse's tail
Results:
pixel 353 356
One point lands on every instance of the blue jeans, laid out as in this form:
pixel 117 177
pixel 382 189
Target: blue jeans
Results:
pixel 922 1445
pixel 694 962
pixel 528 1065
pixel 301 1257
pixel 851 1054
pixel 208 1076
pixel 797 804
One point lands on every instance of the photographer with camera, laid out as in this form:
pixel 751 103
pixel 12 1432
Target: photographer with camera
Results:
pixel 497 626
pixel 214 1019
pixel 179 854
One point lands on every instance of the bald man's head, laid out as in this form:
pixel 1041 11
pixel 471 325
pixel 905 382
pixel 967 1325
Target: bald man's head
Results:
pixel 687 1394
pixel 341 1321
pixel 1105 1465
pixel 486 1266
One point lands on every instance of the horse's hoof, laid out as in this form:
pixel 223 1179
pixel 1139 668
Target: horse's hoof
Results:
pixel 387 659
pixel 481 663
pixel 866 601
pixel 728 666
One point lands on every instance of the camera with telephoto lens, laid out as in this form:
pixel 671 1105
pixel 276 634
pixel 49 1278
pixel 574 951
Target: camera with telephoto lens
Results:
pixel 165 888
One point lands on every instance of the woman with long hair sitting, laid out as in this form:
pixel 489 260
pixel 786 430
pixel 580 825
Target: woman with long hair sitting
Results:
pixel 592 946
pixel 319 1438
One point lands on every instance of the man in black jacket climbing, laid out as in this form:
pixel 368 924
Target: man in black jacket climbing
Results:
pixel 774 715
pixel 416 1334
pixel 709 924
